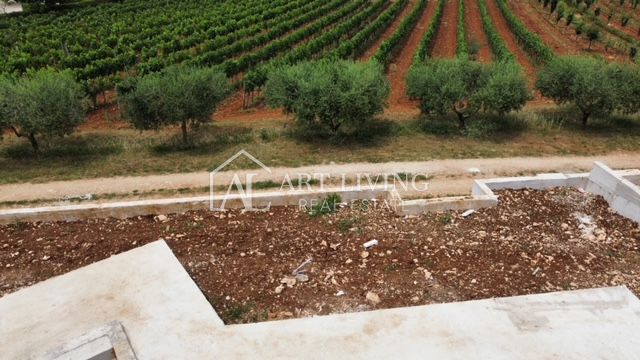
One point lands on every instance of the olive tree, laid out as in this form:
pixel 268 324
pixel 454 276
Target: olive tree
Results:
pixel 582 81
pixel 506 89
pixel 44 102
pixel 443 86
pixel 5 82
pixel 337 96
pixel 466 87
pixel 178 95
pixel 626 85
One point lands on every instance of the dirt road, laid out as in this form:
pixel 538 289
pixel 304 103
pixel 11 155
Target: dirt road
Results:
pixel 446 177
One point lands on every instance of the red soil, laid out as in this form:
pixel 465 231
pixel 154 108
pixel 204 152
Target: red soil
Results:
pixel 616 22
pixel 509 38
pixel 447 38
pixel 475 31
pixel 550 34
pixel 568 32
pixel 398 100
pixel 232 109
pixel 388 32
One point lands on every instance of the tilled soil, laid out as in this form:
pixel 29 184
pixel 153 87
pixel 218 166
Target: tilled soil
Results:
pixel 398 69
pixel 533 242
pixel 447 37
pixel 475 31
pixel 538 12
pixel 388 32
pixel 510 40
pixel 550 34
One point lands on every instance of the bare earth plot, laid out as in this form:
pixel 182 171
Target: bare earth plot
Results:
pixel 398 101
pixel 509 38
pixel 447 38
pixel 550 34
pixel 597 47
pixel 475 31
pixel 619 11
pixel 388 32
pixel 533 242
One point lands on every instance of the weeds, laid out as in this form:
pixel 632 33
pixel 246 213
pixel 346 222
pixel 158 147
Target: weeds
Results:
pixel 446 219
pixel 326 206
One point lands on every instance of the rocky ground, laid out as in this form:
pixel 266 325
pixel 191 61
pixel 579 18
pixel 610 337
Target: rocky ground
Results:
pixel 245 263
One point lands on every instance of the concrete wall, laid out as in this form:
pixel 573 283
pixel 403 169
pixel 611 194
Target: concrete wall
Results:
pixel 622 195
pixel 617 187
pixel 128 209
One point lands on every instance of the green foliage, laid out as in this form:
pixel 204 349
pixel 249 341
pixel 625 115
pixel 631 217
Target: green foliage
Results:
pixel 463 49
pixel 389 46
pixel 5 83
pixel 506 89
pixel 498 45
pixel 593 34
pixel 178 95
pixel 360 41
pixel 337 96
pixel 107 38
pixel 429 37
pixel 466 87
pixel 626 83
pixel 585 82
pixel 326 206
pixel 44 102
pixel 529 41
pixel 309 49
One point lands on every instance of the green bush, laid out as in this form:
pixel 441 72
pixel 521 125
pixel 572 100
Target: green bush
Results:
pixel 326 206
pixel 335 96
pixel 506 89
pixel 585 82
pixel 466 87
pixel 626 83
pixel 44 102
pixel 178 95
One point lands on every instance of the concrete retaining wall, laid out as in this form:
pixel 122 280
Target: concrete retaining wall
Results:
pixel 617 187
pixel 128 209
pixel 622 195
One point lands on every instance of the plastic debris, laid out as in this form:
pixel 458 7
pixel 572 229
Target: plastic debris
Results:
pixel 468 213
pixel 370 243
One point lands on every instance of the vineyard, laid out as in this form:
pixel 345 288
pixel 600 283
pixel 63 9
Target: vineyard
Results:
pixel 104 43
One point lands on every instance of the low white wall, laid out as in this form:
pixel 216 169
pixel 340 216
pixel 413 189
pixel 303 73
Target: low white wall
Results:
pixel 622 195
pixel 615 186
pixel 128 209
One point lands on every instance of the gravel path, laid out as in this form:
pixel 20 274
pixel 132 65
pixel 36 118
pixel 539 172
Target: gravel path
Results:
pixel 447 176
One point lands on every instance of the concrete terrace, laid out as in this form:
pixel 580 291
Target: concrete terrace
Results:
pixel 165 316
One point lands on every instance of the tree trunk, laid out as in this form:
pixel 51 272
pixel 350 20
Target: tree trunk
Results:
pixel 185 137
pixel 585 118
pixel 31 137
pixel 461 121
pixel 34 142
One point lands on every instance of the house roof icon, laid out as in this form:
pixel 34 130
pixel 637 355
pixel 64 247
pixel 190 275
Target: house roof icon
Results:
pixel 237 155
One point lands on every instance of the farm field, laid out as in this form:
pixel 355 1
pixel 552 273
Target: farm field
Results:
pixel 283 159
pixel 106 43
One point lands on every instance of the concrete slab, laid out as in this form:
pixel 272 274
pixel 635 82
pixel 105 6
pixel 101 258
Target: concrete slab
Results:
pixel 585 324
pixel 166 317
pixel 146 289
